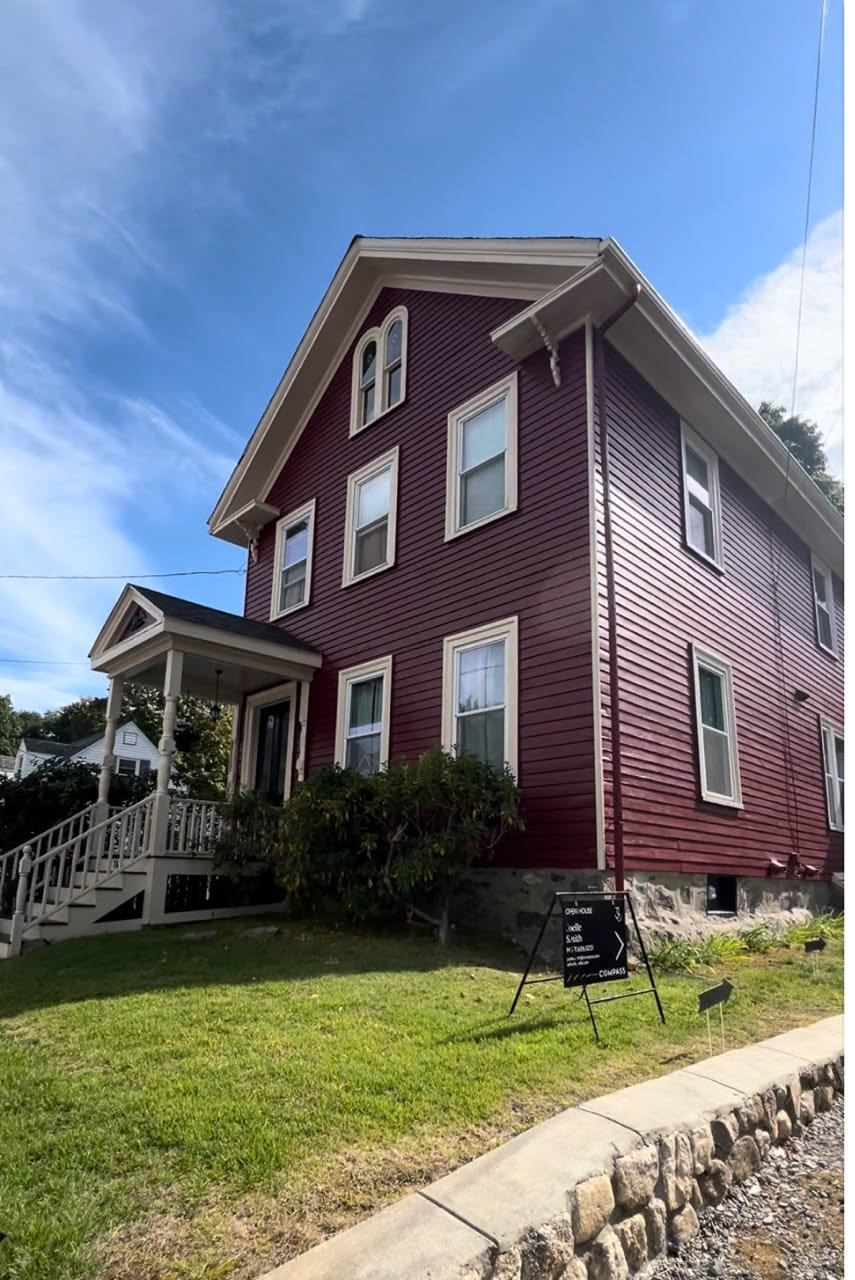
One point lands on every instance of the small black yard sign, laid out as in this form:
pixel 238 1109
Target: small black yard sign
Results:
pixel 814 944
pixel 594 934
pixel 709 999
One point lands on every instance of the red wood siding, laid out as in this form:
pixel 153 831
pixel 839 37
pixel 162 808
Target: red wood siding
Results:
pixel 667 599
pixel 533 563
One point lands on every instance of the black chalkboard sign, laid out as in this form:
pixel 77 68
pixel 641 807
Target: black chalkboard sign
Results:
pixel 594 931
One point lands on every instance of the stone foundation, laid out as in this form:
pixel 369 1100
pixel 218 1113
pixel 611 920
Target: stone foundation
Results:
pixel 511 903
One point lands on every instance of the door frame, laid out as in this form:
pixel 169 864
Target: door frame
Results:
pixel 253 706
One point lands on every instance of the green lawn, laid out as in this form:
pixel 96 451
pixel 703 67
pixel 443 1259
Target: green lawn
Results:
pixel 203 1109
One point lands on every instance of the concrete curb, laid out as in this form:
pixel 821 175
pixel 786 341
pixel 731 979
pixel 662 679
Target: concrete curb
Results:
pixel 597 1191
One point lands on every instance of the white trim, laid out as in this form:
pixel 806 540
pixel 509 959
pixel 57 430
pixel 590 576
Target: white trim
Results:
pixel 253 705
pixel 594 571
pixel 506 389
pixel 508 631
pixel 690 438
pixel 378 334
pixel 832 799
pixel 817 566
pixel 305 512
pixel 387 461
pixel 718 666
pixel 356 675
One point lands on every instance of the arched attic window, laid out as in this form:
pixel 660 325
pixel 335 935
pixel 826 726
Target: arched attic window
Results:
pixel 379 370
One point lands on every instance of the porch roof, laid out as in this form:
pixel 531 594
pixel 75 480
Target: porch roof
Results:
pixel 144 625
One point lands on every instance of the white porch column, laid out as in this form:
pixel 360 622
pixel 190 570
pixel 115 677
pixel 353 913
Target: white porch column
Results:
pixel 156 879
pixel 108 759
pixel 303 716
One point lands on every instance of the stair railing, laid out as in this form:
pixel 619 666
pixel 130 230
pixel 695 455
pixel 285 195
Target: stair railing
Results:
pixel 56 836
pixel 193 826
pixel 59 876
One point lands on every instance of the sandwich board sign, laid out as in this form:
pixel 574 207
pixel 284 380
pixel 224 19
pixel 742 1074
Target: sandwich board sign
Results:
pixel 594 941
pixel 594 937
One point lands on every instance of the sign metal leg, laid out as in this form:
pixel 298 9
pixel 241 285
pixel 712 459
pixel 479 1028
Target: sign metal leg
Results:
pixel 591 1014
pixel 709 1031
pixel 721 1016
pixel 532 954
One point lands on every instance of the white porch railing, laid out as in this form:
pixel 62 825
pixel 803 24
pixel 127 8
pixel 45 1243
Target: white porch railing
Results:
pixel 59 835
pixel 62 875
pixel 193 826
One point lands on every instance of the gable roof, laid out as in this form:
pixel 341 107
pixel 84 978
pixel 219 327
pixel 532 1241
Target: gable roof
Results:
pixel 46 747
pixel 564 281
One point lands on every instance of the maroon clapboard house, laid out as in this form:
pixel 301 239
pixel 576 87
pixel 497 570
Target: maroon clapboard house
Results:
pixel 501 500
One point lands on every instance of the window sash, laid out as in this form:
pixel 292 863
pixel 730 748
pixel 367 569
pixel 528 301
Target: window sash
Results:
pixel 372 494
pixel 823 601
pixel 701 498
pixel 483 719
pixel 716 729
pixel 481 473
pixel 362 731
pixel 294 536
pixel 832 754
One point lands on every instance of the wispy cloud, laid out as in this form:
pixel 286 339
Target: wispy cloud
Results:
pixel 115 122
pixel 755 344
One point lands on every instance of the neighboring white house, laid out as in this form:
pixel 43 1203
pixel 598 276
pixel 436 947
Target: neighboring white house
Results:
pixel 7 766
pixel 135 753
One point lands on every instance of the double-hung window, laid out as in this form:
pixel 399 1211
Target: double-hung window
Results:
pixel 379 370
pixel 372 500
pixel 479 694
pixel 482 458
pixel 362 730
pixel 823 606
pixel 716 725
pixel 293 561
pixel 701 497
pixel 832 759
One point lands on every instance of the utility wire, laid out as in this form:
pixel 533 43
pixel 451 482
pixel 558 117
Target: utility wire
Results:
pixel 114 577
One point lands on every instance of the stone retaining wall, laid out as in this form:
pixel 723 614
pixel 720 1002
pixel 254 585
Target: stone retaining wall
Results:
pixel 598 1191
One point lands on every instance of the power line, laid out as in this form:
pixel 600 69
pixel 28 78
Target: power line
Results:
pixel 822 12
pixel 114 577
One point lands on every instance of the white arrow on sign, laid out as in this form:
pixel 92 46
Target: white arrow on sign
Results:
pixel 622 944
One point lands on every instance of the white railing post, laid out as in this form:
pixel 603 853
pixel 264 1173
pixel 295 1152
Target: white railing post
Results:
pixel 25 866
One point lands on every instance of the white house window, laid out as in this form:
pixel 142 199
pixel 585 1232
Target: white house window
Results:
pixel 823 605
pixel 292 574
pixel 123 765
pixel 372 500
pixel 832 758
pixel 482 458
pixel 379 370
pixel 362 726
pixel 716 723
pixel 129 738
pixel 479 693
pixel 701 498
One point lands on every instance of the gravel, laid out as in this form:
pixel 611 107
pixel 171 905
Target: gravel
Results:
pixel 785 1223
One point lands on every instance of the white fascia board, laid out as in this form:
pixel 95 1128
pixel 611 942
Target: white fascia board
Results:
pixel 129 596
pixel 657 343
pixel 513 267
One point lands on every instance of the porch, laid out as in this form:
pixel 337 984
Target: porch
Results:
pixel 152 862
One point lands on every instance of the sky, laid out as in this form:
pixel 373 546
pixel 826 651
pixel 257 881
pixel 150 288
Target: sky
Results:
pixel 180 179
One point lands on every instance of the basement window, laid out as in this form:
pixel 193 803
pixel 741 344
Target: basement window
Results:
pixel 721 895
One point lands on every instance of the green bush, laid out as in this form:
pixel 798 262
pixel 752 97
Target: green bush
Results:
pixel 396 842
pixel 676 955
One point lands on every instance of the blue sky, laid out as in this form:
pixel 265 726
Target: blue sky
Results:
pixel 179 180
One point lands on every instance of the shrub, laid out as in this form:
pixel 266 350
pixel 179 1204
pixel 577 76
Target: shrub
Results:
pixel 396 842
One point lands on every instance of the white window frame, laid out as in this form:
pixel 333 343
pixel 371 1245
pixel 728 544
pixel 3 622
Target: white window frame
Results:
pixel 347 678
pixel 703 658
pixel 817 566
pixel 378 334
pixel 508 631
pixel 505 389
pixel 305 512
pixel 829 730
pixel 129 737
pixel 710 457
pixel 386 461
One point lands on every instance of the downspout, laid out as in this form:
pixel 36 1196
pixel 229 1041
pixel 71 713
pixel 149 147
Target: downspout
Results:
pixel 600 399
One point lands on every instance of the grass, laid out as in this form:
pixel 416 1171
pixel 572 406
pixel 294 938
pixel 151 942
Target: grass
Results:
pixel 679 955
pixel 200 1110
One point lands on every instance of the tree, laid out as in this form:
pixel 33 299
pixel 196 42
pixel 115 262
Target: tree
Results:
pixel 10 729
pixel 78 720
pixel 804 440
pixel 31 724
